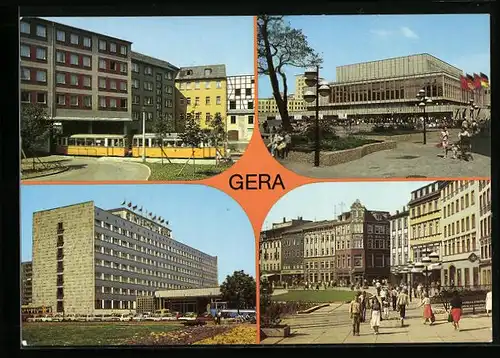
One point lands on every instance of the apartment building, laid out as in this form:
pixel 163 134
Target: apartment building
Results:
pixel 26 282
pixel 201 91
pixel 460 228
pixel 400 241
pixel 319 252
pixel 485 232
pixel 87 260
pixel 153 93
pixel 240 107
pixel 81 78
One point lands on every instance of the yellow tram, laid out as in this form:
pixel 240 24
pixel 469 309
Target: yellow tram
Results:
pixel 173 148
pixel 93 145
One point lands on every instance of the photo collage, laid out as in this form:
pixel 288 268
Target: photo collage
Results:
pixel 255 180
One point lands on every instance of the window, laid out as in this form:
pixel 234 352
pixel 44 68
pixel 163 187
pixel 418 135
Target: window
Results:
pixel 123 104
pixel 188 100
pixel 150 115
pixel 41 97
pixel 25 74
pixel 248 91
pixel 123 86
pixel 73 100
pixel 135 67
pixel 112 102
pixel 112 47
pixel 25 27
pixel 74 80
pixel 232 104
pixel 136 99
pixel 148 101
pixel 87 101
pixel 233 119
pixel 41 53
pixel 123 67
pixel 218 84
pixel 197 101
pixel 74 39
pixel 148 70
pixel 217 100
pixel 197 85
pixel 61 78
pixel 61 100
pixel 102 102
pixel 41 76
pixel 61 36
pixel 250 104
pixel 148 86
pixel 169 89
pixel 73 59
pixel 87 42
pixel 41 31
pixel 135 83
pixel 123 50
pixel 86 61
pixel 25 51
pixel 102 83
pixel 60 57
pixel 25 97
pixel 207 84
pixel 102 45
pixel 112 84
pixel 169 103
pixel 102 64
pixel 250 119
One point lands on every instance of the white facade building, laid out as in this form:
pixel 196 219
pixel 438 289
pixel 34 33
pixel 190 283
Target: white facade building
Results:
pixel 400 241
pixel 485 231
pixel 460 227
pixel 240 107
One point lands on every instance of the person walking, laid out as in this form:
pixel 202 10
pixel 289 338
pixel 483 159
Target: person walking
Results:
pixel 364 301
pixel 378 286
pixel 402 301
pixel 385 305
pixel 445 140
pixel 288 143
pixel 456 310
pixel 489 302
pixel 355 312
pixel 375 317
pixel 394 298
pixel 427 313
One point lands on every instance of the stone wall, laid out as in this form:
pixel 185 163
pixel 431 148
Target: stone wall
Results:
pixel 341 156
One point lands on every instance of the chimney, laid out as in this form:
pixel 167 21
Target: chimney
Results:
pixel 397 212
pixel 284 220
pixel 404 209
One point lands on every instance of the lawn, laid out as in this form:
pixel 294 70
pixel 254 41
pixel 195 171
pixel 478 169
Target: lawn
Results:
pixel 170 171
pixel 90 334
pixel 315 296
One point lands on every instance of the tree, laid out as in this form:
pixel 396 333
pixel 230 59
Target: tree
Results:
pixel 218 132
pixel 162 127
pixel 279 46
pixel 35 129
pixel 239 290
pixel 192 136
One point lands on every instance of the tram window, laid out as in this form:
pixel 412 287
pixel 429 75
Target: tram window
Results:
pixel 139 142
pixel 89 142
pixel 99 142
pixel 155 142
pixel 72 141
pixel 119 143
pixel 80 141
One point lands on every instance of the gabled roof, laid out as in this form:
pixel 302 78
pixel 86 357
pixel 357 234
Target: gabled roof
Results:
pixel 151 60
pixel 198 72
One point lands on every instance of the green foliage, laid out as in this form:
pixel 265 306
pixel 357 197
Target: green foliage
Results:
pixel 162 127
pixel 192 134
pixel 217 130
pixel 35 127
pixel 239 290
pixel 326 129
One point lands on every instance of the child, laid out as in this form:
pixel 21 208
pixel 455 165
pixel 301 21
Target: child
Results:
pixel 385 305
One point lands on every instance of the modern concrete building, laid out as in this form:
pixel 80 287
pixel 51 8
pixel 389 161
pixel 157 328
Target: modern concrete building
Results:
pixel 152 92
pixel 82 78
pixel 485 232
pixel 319 252
pixel 460 228
pixel 201 91
pixel 400 242
pixel 26 282
pixel 240 107
pixel 87 260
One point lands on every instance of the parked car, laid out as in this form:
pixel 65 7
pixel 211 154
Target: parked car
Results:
pixel 58 317
pixel 46 318
pixel 205 317
pixel 154 318
pixel 168 317
pixel 188 316
pixel 34 319
pixel 138 318
pixel 126 317
pixel 70 317
pixel 91 318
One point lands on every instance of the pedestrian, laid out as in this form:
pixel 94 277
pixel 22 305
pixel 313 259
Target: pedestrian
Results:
pixel 288 144
pixel 362 302
pixel 219 316
pixel 375 318
pixel 394 298
pixel 378 286
pixel 456 310
pixel 402 301
pixel 385 306
pixel 489 302
pixel 445 137
pixel 419 290
pixel 427 313
pixel 355 312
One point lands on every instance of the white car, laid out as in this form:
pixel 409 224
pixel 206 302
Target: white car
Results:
pixel 138 318
pixel 126 318
pixel 58 317
pixel 46 318
pixel 168 318
pixel 70 317
pixel 153 318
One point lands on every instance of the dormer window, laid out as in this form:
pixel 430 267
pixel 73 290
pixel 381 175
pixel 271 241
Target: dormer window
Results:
pixel 208 71
pixel 189 72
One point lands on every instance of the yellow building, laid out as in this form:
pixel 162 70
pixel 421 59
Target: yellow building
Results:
pixel 202 92
pixel 425 217
pixel 268 105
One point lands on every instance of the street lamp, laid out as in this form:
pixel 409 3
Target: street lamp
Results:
pixel 322 89
pixel 424 101
pixel 409 270
pixel 143 134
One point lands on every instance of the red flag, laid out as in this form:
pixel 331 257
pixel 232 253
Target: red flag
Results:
pixel 477 81
pixel 470 82
pixel 463 83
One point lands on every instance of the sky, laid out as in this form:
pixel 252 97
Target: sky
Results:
pixel 182 41
pixel 319 201
pixel 461 40
pixel 199 216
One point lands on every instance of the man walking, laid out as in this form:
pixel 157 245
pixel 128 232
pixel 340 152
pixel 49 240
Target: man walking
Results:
pixel 355 312
pixel 402 301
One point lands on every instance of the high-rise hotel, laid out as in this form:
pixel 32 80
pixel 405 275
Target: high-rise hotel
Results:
pixel 87 260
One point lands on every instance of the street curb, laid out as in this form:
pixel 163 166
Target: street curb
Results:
pixel 312 309
pixel 149 170
pixel 45 175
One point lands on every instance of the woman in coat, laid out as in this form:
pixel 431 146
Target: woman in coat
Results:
pixel 456 310
pixel 428 315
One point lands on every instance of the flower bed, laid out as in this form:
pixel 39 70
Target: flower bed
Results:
pixel 184 336
pixel 242 334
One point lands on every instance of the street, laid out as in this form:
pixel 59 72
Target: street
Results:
pixel 332 325
pixel 95 169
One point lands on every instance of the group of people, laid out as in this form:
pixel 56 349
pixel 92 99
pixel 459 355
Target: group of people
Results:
pixel 461 148
pixel 279 144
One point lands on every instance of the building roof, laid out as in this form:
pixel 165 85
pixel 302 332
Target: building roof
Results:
pixel 198 72
pixel 152 61
pixel 191 292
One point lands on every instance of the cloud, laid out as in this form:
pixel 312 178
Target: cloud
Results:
pixel 381 33
pixel 407 32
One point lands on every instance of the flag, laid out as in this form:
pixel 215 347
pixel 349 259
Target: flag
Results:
pixel 124 201
pixel 485 82
pixel 477 81
pixel 129 205
pixel 140 210
pixel 154 217
pixel 463 83
pixel 470 82
pixel 150 214
pixel 134 207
